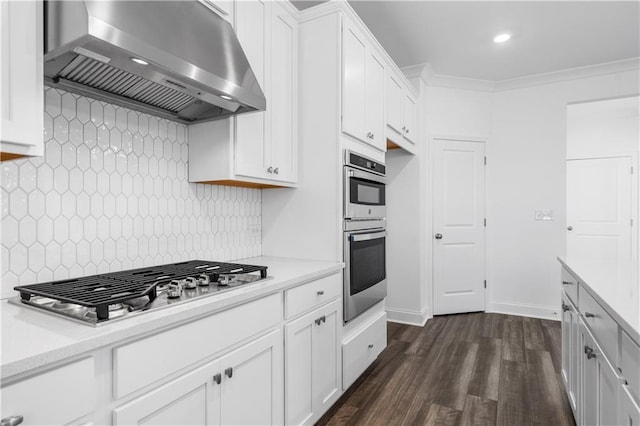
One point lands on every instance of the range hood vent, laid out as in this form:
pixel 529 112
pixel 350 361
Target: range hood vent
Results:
pixel 174 59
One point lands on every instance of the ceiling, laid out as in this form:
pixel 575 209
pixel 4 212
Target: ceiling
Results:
pixel 456 37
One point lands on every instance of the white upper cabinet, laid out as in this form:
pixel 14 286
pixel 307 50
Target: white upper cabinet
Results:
pixel 400 105
pixel 21 79
pixel 362 88
pixel 256 149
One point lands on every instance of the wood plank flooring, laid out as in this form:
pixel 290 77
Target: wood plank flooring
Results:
pixel 469 369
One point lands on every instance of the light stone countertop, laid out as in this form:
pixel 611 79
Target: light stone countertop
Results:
pixel 619 297
pixel 33 340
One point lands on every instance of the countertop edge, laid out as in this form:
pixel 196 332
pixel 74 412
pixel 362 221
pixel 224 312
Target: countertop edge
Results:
pixel 162 320
pixel 624 324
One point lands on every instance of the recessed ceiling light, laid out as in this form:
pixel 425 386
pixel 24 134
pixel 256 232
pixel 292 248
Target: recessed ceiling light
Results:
pixel 501 38
pixel 227 97
pixel 140 61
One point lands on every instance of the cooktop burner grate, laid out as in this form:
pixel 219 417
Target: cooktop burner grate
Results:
pixel 101 291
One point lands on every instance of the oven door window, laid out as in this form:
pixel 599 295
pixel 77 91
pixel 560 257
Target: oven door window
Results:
pixel 366 192
pixel 367 264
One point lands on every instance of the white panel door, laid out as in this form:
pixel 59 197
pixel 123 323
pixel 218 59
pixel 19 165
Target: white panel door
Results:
pixel 394 102
pixel 374 105
pixel 409 110
pixel 326 365
pixel 599 213
pixel 458 226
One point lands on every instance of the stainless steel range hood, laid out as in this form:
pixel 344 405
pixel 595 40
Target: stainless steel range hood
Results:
pixel 175 59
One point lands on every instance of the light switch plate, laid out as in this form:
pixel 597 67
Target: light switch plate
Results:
pixel 544 214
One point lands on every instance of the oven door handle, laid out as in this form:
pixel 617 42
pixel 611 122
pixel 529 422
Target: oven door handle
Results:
pixel 370 236
pixel 366 176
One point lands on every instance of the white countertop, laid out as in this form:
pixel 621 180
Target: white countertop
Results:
pixel 618 295
pixel 32 340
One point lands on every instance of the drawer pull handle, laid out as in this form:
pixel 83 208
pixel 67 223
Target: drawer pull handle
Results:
pixel 589 315
pixel 589 352
pixel 567 283
pixel 565 307
pixel 11 421
pixel 370 345
pixel 217 378
pixel 229 372
pixel 324 319
pixel 320 292
pixel 318 321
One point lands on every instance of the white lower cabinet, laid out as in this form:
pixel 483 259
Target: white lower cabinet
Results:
pixel 570 351
pixel 312 360
pixel 629 414
pixel 242 387
pixel 361 349
pixel 59 396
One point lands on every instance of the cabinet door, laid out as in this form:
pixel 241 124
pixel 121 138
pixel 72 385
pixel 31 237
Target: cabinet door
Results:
pixel 567 339
pixel 326 362
pixel 374 102
pixel 283 113
pixel 589 381
pixel 252 387
pixel 250 144
pixel 299 358
pixel 629 409
pixel 354 60
pixel 394 102
pixel 192 399
pixel 410 132
pixel 576 352
pixel 608 385
pixel 21 83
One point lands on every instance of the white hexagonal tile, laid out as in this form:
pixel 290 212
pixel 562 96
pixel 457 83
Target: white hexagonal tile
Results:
pixel 121 205
pixel 97 113
pixel 97 159
pixel 90 228
pixel 90 181
pixel 45 230
pixel 48 127
pixel 83 109
pixel 181 132
pixel 18 203
pixel 52 102
pixel 4 202
pixel 109 116
pixel 121 118
pixel 109 205
pixel 61 129
pixel 97 205
pixel 143 124
pixel 18 259
pixel 138 144
pixel 97 250
pixel 121 162
pixel 153 167
pixel 60 180
pixel 115 139
pixel 27 231
pixel 103 182
pixel 138 185
pixel 127 142
pixel 61 229
pixel 115 183
pixel 36 204
pixel 148 146
pixel 138 226
pixel 153 126
pixel 28 176
pixel 83 253
pixel 132 121
pixel 52 153
pixel 109 250
pixel 10 175
pixel 103 227
pixel 103 137
pixel 109 161
pixel 76 132
pixel 143 166
pixel 90 135
pixel 68 106
pixel 83 158
pixel 75 229
pixel 184 153
pixel 68 205
pixel 76 178
pixel 157 148
pixel 36 257
pixel 9 231
pixel 68 156
pixel 45 274
pixel 115 230
pixel 68 254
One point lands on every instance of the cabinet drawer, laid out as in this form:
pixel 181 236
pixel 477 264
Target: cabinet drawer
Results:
pixel 141 363
pixel 308 296
pixel 603 327
pixel 630 363
pixel 362 349
pixel 56 397
pixel 570 285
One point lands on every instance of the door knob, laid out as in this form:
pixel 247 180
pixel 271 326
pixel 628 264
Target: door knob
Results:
pixel 438 236
pixel 569 228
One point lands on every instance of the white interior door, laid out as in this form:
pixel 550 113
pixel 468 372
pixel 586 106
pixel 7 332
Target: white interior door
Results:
pixel 599 221
pixel 458 226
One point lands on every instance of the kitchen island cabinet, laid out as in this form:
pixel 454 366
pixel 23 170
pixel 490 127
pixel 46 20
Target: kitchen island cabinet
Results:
pixel 21 82
pixel 600 347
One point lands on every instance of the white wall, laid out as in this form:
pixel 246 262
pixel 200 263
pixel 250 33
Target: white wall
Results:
pixel 526 149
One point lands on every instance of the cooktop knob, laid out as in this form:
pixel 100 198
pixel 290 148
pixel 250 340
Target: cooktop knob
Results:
pixel 203 280
pixel 190 283
pixel 174 289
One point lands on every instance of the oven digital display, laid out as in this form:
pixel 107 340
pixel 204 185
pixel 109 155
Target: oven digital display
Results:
pixel 368 194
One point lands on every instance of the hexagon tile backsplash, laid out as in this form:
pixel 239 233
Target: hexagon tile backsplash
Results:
pixel 112 193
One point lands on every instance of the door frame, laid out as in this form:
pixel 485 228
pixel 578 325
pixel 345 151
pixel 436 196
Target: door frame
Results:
pixel 430 210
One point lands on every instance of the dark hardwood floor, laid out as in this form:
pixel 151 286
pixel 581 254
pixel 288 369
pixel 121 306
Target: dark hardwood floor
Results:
pixel 469 369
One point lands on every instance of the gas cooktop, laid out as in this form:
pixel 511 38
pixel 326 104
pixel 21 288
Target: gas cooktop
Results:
pixel 98 299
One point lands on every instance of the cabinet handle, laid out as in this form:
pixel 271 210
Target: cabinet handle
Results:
pixel 324 319
pixel 370 345
pixel 229 372
pixel 217 378
pixel 320 292
pixel 589 315
pixel 569 228
pixel 407 130
pixel 567 283
pixel 404 128
pixel 589 352
pixel 565 308
pixel 370 135
pixel 11 421
pixel 270 169
pixel 276 170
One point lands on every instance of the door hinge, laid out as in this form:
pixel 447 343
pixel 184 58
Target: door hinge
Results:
pixel 485 222
pixel 485 161
pixel 485 283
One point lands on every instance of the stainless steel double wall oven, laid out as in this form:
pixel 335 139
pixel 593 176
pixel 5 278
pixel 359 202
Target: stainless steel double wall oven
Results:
pixel 365 276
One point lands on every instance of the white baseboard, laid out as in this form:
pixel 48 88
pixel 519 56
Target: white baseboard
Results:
pixel 535 311
pixel 407 317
